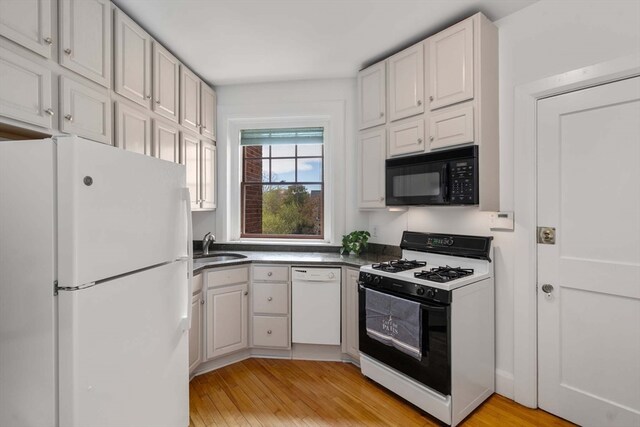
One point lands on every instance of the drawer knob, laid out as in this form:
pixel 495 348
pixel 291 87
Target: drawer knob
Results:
pixel 246 292
pixel 270 274
pixel 269 299
pixel 269 332
pixel 419 140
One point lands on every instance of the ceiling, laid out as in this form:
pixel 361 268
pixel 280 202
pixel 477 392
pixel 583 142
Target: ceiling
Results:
pixel 251 41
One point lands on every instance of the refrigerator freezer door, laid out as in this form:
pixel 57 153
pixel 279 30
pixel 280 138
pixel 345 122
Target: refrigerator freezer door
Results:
pixel 124 351
pixel 117 211
pixel 27 303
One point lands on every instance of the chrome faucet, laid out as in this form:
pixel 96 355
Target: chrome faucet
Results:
pixel 206 242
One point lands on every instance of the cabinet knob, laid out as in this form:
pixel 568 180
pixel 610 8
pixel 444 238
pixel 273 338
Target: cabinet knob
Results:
pixel 67 51
pixel 157 101
pixel 382 199
pixel 419 103
pixel 269 332
pixel 430 98
pixel 201 301
pixel 69 117
pixel 48 40
pixel 419 140
pixel 431 138
pixel 381 114
pixel 49 111
pixel 148 96
pixel 204 127
pixel 269 274
pixel 269 299
pixel 246 292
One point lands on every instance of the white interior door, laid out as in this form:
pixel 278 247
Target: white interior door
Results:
pixel 588 190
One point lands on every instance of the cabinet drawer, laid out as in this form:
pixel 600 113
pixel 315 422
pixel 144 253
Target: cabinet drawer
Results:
pixel 452 126
pixel 270 331
pixel 227 277
pixel 271 298
pixel 271 273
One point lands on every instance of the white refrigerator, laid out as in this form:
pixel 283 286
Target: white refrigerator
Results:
pixel 95 286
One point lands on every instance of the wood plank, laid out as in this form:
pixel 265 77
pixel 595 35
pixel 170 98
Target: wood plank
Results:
pixel 273 392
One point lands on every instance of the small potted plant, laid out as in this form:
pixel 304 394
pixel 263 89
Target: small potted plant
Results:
pixel 355 242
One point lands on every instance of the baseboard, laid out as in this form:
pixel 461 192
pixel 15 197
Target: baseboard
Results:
pixel 504 383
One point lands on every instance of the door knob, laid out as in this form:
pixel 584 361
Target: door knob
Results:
pixel 547 289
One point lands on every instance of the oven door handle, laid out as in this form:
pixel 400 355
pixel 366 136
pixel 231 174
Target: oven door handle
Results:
pixel 422 305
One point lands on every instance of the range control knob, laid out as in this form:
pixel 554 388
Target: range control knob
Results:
pixel 420 291
pixel 448 241
pixel 431 293
pixel 376 280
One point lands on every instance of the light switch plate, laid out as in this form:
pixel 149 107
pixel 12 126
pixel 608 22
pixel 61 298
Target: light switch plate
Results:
pixel 501 221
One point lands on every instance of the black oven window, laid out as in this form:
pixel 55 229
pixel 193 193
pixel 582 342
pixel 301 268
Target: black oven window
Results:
pixel 416 185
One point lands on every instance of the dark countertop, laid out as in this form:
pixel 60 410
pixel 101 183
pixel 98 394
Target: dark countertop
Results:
pixel 293 258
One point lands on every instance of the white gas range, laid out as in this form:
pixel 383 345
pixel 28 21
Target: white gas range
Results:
pixel 448 279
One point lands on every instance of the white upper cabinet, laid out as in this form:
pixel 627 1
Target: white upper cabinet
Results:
pixel 207 111
pixel 406 83
pixel 28 23
pixel 451 126
pixel 451 65
pixel 85 112
pixel 189 99
pixel 166 141
pixel 166 83
pixel 85 38
pixel 208 181
pixel 132 129
pixel 25 90
pixel 406 137
pixel 191 159
pixel 372 148
pixel 132 57
pixel 372 83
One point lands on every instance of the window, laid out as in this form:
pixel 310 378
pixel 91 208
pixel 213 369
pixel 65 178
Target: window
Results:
pixel 282 190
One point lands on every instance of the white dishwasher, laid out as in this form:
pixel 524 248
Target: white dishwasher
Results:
pixel 315 306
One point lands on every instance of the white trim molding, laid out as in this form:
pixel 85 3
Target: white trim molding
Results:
pixel 525 369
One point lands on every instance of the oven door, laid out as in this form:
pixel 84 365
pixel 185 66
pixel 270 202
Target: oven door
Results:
pixel 411 181
pixel 434 368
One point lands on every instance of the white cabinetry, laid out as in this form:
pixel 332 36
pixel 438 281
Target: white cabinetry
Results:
pixel 166 83
pixel 85 38
pixel 132 129
pixel 208 101
pixel 25 90
pixel 350 313
pixel 85 112
pixel 406 83
pixel 451 126
pixel 451 65
pixel 199 156
pixel 28 23
pixel 226 311
pixel 132 58
pixel 191 159
pixel 166 141
pixel 197 319
pixel 406 137
pixel 372 147
pixel 189 99
pixel 208 172
pixel 270 307
pixel 372 95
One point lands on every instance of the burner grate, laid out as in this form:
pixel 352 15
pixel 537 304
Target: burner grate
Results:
pixel 398 265
pixel 443 274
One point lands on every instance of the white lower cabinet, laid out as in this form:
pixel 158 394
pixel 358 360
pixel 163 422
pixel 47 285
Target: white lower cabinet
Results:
pixel 270 331
pixel 226 313
pixel 85 112
pixel 406 137
pixel 350 313
pixel 270 302
pixel 25 90
pixel 132 129
pixel 451 126
pixel 197 323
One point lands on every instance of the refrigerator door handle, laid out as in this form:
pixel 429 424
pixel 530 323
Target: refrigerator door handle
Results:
pixel 186 197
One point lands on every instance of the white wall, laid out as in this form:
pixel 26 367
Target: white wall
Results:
pixel 282 99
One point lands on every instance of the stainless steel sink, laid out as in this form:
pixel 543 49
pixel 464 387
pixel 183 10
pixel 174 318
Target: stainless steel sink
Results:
pixel 217 258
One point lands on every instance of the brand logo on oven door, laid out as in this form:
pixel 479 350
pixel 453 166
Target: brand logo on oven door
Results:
pixel 389 326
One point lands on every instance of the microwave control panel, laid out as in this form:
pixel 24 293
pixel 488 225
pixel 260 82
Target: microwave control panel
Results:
pixel 463 179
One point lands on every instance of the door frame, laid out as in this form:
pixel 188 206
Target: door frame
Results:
pixel 525 348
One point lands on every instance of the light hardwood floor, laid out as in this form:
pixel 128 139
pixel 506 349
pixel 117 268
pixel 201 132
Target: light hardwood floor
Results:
pixel 268 392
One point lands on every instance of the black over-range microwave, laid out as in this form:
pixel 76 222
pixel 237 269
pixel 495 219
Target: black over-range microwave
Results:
pixel 447 177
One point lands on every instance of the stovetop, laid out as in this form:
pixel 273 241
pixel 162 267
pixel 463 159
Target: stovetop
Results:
pixel 398 265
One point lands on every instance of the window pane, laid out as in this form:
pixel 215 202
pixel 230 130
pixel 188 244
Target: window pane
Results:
pixel 256 151
pixel 283 150
pixel 256 170
pixel 309 170
pixel 283 170
pixel 310 150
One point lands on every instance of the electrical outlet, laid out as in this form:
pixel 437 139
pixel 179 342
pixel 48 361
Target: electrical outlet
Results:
pixel 374 231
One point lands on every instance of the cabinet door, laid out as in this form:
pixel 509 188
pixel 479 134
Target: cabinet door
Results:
pixel 166 82
pixel 195 332
pixel 208 180
pixel 372 148
pixel 406 138
pixel 25 90
pixel 372 106
pixel 451 65
pixel 270 331
pixel 189 99
pixel 28 23
pixel 132 57
pixel 132 129
pixel 406 83
pixel 351 313
pixel 226 319
pixel 85 112
pixel 451 126
pixel 85 38
pixel 208 111
pixel 166 141
pixel 191 159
